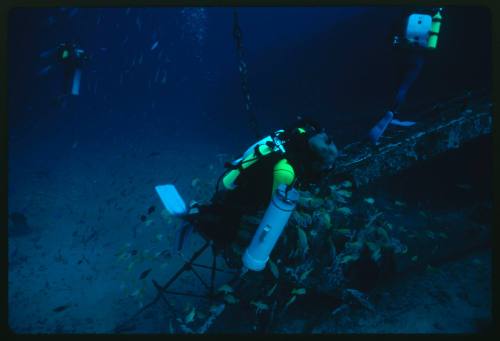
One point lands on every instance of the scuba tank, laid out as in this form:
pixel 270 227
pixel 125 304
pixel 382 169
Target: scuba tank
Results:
pixel 75 87
pixel 435 28
pixel 270 228
pixel 417 29
pixel 422 30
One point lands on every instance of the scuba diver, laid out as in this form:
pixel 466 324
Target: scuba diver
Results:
pixel 420 37
pixel 72 58
pixel 266 174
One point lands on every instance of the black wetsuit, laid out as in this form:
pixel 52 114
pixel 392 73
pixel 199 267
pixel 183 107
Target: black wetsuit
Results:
pixel 71 62
pixel 221 219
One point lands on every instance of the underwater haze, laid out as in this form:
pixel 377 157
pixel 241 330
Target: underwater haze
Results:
pixel 162 100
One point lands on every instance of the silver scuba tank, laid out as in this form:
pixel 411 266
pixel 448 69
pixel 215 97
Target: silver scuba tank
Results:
pixel 75 86
pixel 274 221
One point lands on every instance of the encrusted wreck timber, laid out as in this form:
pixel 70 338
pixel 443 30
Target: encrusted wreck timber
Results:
pixel 363 163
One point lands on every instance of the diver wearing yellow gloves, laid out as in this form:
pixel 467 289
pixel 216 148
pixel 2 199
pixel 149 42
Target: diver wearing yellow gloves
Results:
pixel 294 157
pixel 421 33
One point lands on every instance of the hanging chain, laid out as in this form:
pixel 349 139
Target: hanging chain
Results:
pixel 242 67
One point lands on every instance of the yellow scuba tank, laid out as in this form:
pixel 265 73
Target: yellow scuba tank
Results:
pixel 436 26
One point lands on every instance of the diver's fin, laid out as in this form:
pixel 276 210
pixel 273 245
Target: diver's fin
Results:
pixel 399 123
pixel 379 128
pixel 171 199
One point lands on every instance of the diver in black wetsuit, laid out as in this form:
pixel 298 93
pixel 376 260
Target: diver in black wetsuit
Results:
pixel 72 58
pixel 419 36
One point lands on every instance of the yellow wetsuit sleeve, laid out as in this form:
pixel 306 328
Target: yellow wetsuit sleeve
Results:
pixel 283 174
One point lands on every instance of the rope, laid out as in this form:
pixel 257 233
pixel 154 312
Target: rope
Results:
pixel 242 67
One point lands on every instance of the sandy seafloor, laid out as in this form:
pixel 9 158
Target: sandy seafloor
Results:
pixel 83 204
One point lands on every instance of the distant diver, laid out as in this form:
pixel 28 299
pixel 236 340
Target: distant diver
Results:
pixel 420 36
pixel 266 174
pixel 72 58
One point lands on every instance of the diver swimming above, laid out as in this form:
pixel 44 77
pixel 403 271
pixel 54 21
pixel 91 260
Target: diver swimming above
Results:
pixel 264 176
pixel 419 36
pixel 72 57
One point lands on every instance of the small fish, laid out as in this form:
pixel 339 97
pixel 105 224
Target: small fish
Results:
pixel 346 184
pixel 143 218
pixel 344 210
pixel 137 292
pixel 159 237
pixel 414 258
pixel 61 308
pixel 130 266
pixel 231 299
pixel 432 269
pixel 305 274
pixel 300 291
pixel 190 317
pixel 270 292
pixel 225 289
pixel 345 232
pixel 133 252
pixel 302 240
pixel 145 273
pixel 195 182
pixel 430 234
pixel 344 193
pixel 47 53
pixel 155 45
pixel 274 269
pixel 290 301
pixel 45 70
pixel 138 22
pixel 259 305
pixel 151 209
pixel 443 235
pixel 399 203
pixel 370 201
pixel 348 258
pixel 148 222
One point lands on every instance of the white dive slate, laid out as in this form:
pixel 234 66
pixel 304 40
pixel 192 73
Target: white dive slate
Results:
pixel 171 199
